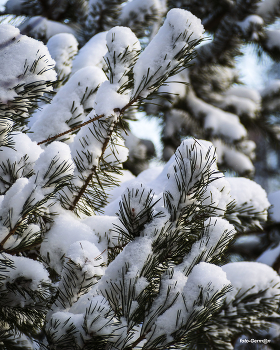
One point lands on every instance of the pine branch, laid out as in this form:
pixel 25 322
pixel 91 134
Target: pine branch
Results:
pixel 12 232
pixel 36 211
pixel 121 111
pixel 83 188
pixel 70 130
pixel 136 342
pixel 104 146
pixel 93 171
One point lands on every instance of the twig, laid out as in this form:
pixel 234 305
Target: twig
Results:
pixel 11 232
pixel 104 146
pixel 82 190
pixel 70 130
pixel 121 111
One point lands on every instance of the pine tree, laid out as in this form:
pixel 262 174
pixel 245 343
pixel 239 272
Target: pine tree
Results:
pixel 89 265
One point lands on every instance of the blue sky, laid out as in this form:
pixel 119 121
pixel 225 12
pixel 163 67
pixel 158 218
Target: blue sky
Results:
pixel 2 2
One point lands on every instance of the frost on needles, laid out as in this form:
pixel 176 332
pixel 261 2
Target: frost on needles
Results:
pixel 145 270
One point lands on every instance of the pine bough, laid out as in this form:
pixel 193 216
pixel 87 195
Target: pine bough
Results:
pixel 149 272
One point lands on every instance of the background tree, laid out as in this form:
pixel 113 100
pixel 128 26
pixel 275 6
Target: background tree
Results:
pixel 213 81
pixel 85 280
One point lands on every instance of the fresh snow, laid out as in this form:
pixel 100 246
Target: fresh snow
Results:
pixel 71 101
pixel 13 67
pixel 63 47
pixel 91 54
pixel 159 55
pixel 245 276
pixel 249 194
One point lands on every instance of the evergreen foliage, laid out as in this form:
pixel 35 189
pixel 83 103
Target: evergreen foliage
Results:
pixel 85 264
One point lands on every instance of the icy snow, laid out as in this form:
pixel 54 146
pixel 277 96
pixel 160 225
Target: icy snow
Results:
pixel 204 281
pixel 116 153
pixel 216 230
pixel 43 27
pixel 202 276
pixel 235 159
pixel 245 92
pixel 23 146
pixel 108 100
pixel 136 252
pixel 14 6
pixel 267 8
pixel 157 179
pixel 57 152
pixel 85 259
pixel 203 152
pixel 217 121
pixel 97 317
pixel 15 198
pixel 141 8
pixel 104 227
pixel 123 47
pixel 62 319
pixel 273 87
pixel 98 322
pixel 174 87
pixel 224 123
pixel 5 129
pixel 242 105
pixel 87 146
pixel 132 258
pixel 251 20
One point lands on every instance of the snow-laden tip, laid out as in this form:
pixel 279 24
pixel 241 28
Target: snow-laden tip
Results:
pixel 167 50
pixel 181 20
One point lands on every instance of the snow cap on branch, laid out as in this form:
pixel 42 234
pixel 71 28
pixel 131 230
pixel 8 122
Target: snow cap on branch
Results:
pixel 170 47
pixel 245 275
pixel 123 47
pixel 63 47
pixel 250 199
pixel 69 105
pixel 26 61
pixel 91 54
